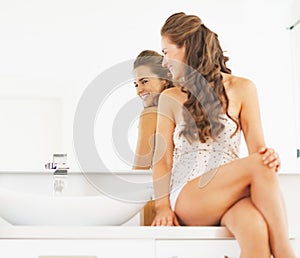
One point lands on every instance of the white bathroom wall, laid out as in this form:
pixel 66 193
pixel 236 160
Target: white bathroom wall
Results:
pixel 30 128
pixel 56 48
pixel 295 52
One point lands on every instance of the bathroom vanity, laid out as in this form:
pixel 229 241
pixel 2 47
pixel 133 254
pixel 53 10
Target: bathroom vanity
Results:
pixel 133 241
pixel 115 242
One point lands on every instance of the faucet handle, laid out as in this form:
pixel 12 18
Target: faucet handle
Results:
pixel 59 162
pixel 50 165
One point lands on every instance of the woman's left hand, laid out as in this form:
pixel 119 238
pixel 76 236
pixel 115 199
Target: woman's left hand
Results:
pixel 270 158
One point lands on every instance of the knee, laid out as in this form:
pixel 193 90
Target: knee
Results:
pixel 259 169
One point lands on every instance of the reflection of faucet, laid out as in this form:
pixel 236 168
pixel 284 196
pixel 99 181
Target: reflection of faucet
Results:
pixel 60 174
pixel 58 185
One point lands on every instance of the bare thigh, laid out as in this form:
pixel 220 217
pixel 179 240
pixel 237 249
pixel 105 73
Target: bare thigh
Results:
pixel 207 205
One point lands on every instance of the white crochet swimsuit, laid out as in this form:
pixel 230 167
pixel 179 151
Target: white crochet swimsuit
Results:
pixel 193 160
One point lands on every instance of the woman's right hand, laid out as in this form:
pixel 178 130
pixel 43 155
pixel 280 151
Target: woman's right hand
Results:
pixel 165 217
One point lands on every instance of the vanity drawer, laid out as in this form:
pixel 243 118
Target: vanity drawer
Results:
pixel 197 248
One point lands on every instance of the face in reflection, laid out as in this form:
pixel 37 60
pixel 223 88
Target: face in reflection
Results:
pixel 148 85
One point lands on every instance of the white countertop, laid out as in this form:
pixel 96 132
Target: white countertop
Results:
pixel 113 232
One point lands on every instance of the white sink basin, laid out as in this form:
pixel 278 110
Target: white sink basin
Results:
pixel 83 199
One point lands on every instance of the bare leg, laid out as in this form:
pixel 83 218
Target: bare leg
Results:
pixel 277 221
pixel 249 228
pixel 230 185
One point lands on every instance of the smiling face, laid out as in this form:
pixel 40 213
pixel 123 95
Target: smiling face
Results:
pixel 174 58
pixel 148 85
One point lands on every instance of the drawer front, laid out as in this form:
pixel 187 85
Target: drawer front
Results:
pixel 197 249
pixel 45 248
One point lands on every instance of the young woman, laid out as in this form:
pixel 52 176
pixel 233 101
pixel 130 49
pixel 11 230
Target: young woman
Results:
pixel 198 177
pixel 150 80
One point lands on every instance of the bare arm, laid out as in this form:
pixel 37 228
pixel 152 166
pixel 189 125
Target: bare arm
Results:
pixel 250 118
pixel 163 157
pixel 145 142
pixel 252 126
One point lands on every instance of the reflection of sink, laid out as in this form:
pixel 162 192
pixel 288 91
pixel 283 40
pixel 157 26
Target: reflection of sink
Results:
pixel 89 199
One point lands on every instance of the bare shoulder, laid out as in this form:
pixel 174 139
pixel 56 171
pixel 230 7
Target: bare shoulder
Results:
pixel 170 102
pixel 174 94
pixel 147 120
pixel 174 91
pixel 240 86
pixel 149 111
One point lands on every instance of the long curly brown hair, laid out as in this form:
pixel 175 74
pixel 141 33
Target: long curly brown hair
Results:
pixel 206 96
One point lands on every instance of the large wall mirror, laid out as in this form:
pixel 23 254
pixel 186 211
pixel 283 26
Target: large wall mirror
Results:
pixel 52 50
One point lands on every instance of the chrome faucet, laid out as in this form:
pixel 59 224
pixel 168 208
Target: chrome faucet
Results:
pixel 59 163
pixel 60 167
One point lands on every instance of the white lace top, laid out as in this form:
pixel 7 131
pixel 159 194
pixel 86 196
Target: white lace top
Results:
pixel 193 160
